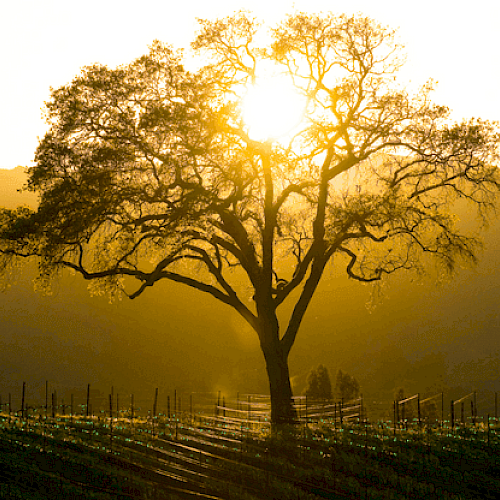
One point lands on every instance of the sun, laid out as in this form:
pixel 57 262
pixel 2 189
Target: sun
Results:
pixel 272 108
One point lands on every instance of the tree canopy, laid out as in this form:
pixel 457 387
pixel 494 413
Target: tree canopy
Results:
pixel 346 386
pixel 319 385
pixel 149 172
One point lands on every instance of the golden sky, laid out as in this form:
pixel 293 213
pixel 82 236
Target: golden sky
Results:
pixel 44 43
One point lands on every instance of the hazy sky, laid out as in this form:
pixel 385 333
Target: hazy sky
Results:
pixel 44 43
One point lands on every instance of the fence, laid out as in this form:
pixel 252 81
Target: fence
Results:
pixel 254 409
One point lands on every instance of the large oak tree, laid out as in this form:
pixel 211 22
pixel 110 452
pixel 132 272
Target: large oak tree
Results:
pixel 149 172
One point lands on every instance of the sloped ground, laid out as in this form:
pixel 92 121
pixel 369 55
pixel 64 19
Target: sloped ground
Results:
pixel 66 459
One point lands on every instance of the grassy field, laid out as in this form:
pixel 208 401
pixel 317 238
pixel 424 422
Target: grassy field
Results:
pixel 224 458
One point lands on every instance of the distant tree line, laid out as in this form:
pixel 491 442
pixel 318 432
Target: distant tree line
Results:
pixel 319 385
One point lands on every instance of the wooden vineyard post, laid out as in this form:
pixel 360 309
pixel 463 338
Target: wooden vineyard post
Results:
pixel 452 415
pixel 175 404
pixel 168 407
pixel 475 407
pixel 175 414
pixel 488 428
pixel 111 422
pixel 10 405
pixel 442 409
pixel 54 404
pixel 46 398
pixel 307 413
pixel 132 415
pixel 22 400
pixel 71 408
pixel 496 406
pixel 395 412
pixel 362 410
pixel 249 411
pixel 403 415
pixel 155 405
pixel 88 400
pixel 418 410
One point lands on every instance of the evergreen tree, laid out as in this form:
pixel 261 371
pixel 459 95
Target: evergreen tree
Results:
pixel 318 384
pixel 346 386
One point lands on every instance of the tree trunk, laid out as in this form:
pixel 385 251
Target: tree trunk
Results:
pixel 282 411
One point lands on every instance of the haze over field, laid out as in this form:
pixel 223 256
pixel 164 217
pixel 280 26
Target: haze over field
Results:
pixel 421 336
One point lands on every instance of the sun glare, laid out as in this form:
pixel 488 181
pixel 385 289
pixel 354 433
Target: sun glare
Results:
pixel 272 108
